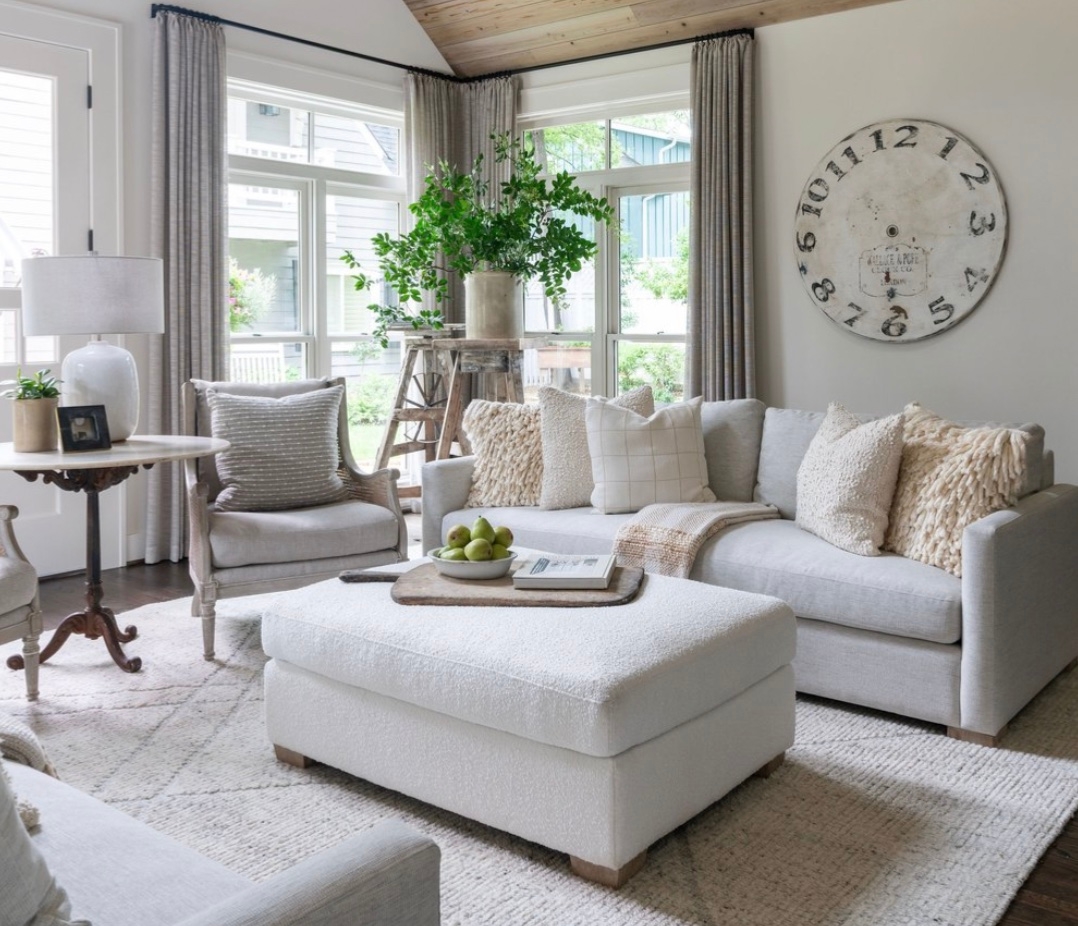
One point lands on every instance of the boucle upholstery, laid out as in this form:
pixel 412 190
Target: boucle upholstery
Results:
pixel 846 481
pixel 950 477
pixel 594 680
pixel 505 439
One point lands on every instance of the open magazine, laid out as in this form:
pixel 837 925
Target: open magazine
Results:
pixel 555 570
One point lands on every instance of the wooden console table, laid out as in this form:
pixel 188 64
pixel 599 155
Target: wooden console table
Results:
pixel 92 472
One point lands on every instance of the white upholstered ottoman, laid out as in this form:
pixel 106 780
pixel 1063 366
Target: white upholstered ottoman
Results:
pixel 593 731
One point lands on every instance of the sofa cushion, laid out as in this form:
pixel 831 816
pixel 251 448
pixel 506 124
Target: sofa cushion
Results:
pixel 29 894
pixel 638 461
pixel 593 680
pixel 245 538
pixel 508 448
pixel 888 593
pixel 847 479
pixel 172 881
pixel 567 481
pixel 283 452
pixel 951 476
pixel 732 432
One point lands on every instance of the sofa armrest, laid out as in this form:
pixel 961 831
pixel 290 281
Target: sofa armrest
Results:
pixel 446 484
pixel 386 876
pixel 1019 605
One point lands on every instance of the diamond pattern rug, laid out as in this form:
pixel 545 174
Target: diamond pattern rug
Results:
pixel 873 820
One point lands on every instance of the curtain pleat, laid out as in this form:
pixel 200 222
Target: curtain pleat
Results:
pixel 453 122
pixel 189 230
pixel 720 355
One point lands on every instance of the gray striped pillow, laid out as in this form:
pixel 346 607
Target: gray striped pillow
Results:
pixel 284 452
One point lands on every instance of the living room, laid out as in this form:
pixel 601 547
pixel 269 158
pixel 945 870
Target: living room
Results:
pixel 999 73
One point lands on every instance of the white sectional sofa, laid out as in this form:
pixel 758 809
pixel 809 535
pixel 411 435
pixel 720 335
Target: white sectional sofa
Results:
pixel 885 632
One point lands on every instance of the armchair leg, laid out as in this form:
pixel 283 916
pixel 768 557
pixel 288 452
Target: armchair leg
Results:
pixel 30 652
pixel 205 608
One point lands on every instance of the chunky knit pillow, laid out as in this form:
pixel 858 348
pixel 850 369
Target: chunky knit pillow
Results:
pixel 950 477
pixel 506 441
pixel 846 480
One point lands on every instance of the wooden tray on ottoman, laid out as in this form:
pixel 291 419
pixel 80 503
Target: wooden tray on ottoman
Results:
pixel 425 585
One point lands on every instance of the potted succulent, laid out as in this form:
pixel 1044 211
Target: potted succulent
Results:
pixel 36 398
pixel 494 239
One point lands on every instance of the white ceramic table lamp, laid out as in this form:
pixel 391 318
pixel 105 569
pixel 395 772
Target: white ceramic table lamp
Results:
pixel 96 295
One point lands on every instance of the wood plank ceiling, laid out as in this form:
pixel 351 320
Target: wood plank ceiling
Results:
pixel 478 37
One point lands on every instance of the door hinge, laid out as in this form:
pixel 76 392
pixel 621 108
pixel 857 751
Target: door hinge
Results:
pixel 89 96
pixel 90 241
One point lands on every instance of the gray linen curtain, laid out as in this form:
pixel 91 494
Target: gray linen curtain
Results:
pixel 450 121
pixel 189 231
pixel 720 361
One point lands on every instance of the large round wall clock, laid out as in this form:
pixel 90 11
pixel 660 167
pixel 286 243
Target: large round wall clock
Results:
pixel 900 230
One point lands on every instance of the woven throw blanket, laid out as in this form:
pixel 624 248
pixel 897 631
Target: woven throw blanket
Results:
pixel 19 743
pixel 666 538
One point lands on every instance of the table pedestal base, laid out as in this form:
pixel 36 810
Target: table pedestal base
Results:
pixel 92 623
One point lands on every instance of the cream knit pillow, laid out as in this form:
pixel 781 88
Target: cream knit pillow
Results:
pixel 567 481
pixel 638 461
pixel 847 479
pixel 950 477
pixel 506 441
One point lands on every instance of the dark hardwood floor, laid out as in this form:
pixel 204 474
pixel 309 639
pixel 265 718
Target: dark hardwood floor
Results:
pixel 1048 898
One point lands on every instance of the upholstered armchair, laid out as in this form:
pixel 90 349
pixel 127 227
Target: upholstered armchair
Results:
pixel 285 505
pixel 21 617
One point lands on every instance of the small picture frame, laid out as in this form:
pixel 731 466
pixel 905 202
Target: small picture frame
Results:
pixel 83 427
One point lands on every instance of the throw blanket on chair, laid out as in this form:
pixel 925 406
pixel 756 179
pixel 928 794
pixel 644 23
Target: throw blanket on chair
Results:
pixel 666 538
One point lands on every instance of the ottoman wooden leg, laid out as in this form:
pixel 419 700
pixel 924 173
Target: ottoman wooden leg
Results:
pixel 611 877
pixel 972 736
pixel 291 757
pixel 765 770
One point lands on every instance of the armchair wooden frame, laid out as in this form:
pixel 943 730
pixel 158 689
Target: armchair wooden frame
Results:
pixel 27 624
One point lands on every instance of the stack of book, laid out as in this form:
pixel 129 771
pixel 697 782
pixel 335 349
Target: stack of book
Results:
pixel 555 570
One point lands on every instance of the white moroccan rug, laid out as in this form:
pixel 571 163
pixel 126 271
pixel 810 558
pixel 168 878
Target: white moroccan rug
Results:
pixel 873 820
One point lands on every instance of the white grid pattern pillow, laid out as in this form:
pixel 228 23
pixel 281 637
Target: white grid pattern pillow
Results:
pixel 638 461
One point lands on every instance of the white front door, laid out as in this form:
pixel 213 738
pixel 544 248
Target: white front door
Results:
pixel 45 208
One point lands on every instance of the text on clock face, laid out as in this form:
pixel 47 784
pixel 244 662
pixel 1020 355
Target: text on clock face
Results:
pixel 899 230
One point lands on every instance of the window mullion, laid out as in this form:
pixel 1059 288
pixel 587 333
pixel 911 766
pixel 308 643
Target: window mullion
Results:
pixel 322 348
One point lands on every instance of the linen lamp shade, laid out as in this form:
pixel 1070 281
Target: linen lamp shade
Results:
pixel 96 295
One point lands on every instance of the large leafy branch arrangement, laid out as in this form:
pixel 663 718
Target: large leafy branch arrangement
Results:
pixel 525 227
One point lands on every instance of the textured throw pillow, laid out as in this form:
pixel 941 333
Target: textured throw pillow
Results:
pixel 846 480
pixel 567 481
pixel 505 439
pixel 638 461
pixel 284 452
pixel 29 893
pixel 950 477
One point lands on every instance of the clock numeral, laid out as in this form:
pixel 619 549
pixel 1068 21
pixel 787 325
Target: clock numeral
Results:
pixel 982 226
pixel 938 306
pixel 806 243
pixel 878 137
pixel 818 195
pixel 858 312
pixel 911 133
pixel 949 147
pixel 823 290
pixel 811 210
pixel 973 277
pixel 895 326
pixel 983 177
pixel 836 170
pixel 851 155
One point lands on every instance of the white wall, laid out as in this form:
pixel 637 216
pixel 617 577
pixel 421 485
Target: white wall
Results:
pixel 1004 75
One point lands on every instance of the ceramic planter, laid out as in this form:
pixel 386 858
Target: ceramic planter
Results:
pixel 493 306
pixel 35 427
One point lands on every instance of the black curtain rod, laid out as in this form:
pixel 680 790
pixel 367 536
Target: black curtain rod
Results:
pixel 166 8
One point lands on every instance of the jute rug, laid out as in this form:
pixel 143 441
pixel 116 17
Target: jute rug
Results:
pixel 873 820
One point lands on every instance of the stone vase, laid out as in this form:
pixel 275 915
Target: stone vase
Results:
pixel 35 428
pixel 493 306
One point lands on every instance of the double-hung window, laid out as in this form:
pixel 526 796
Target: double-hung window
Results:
pixel 624 321
pixel 310 178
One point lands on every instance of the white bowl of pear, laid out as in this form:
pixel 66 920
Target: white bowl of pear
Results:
pixel 477 552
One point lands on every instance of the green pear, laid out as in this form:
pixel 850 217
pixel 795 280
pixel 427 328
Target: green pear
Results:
pixel 503 536
pixel 482 530
pixel 453 554
pixel 478 550
pixel 499 551
pixel 458 536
